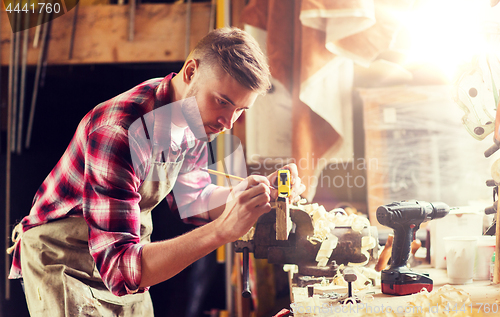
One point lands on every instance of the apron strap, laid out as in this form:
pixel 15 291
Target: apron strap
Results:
pixel 17 233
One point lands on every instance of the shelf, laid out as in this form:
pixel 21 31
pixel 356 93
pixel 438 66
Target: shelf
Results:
pixel 102 34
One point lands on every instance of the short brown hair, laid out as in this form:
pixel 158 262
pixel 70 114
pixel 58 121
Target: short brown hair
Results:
pixel 238 54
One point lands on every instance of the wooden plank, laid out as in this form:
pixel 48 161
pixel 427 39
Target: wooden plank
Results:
pixel 283 221
pixel 102 34
pixel 496 271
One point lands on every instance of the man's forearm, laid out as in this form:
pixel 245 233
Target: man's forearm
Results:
pixel 164 259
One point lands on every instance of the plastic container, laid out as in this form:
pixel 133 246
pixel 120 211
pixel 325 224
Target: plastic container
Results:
pixel 461 221
pixel 460 258
pixel 485 250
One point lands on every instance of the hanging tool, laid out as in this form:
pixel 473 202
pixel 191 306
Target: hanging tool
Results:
pixel 23 83
pixel 15 81
pixel 493 208
pixel 73 31
pixel 496 136
pixel 8 166
pixel 405 218
pixel 495 174
pixel 38 30
pixel 10 95
pixel 131 20
pixel 42 59
pixel 45 59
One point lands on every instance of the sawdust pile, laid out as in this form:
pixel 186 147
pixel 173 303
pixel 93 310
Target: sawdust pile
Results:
pixel 446 301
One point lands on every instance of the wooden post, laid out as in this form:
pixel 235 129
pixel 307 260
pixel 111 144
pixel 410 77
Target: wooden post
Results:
pixel 283 221
pixel 496 273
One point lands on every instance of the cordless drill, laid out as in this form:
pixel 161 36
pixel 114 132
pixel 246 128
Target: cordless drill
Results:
pixel 405 218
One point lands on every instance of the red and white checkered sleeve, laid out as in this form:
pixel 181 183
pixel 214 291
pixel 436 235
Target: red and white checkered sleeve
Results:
pixel 111 209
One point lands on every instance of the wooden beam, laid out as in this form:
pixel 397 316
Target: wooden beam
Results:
pixel 102 34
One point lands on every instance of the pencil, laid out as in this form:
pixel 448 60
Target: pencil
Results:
pixel 222 174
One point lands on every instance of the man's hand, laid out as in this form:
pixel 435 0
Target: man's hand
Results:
pixel 245 204
pixel 295 182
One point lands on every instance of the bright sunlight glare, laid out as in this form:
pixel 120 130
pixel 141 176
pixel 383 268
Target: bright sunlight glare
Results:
pixel 446 33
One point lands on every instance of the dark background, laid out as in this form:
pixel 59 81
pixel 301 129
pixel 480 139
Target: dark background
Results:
pixel 69 92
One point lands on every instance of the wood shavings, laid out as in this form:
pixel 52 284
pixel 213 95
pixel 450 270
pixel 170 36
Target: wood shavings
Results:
pixel 314 240
pixel 249 235
pixel 358 223
pixel 363 281
pixel 367 256
pixel 445 301
pixel 370 274
pixel 367 243
pixel 321 228
pixel 326 249
pixel 291 268
pixel 324 224
pixel 324 282
pixel 368 298
pixel 338 279
pixel 322 262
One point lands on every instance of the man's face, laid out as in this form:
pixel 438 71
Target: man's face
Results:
pixel 220 100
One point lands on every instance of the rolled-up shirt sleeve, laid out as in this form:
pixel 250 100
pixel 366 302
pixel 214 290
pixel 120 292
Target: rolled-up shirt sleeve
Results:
pixel 111 209
pixel 193 186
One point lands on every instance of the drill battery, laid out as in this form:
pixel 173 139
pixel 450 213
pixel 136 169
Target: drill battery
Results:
pixel 402 281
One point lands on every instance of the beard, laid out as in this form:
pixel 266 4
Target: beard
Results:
pixel 192 115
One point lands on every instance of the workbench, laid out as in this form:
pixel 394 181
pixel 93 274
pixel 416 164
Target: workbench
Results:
pixel 484 296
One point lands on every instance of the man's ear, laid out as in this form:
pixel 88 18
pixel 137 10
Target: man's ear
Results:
pixel 190 70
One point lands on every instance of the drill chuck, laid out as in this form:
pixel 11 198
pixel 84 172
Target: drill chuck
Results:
pixel 440 210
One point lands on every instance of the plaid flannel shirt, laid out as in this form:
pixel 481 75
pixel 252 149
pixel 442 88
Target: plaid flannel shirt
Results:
pixel 95 179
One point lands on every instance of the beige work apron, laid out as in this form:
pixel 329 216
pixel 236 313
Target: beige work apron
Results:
pixel 60 276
